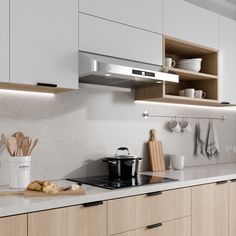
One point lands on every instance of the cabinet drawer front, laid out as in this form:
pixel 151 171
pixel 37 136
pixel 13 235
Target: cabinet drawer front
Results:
pixel 113 39
pixel 210 210
pixel 180 227
pixel 121 215
pixel 72 221
pixel 133 12
pixel 13 226
pixel 163 207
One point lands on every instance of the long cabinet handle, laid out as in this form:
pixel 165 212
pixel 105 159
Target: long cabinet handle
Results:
pixel 90 204
pixel 222 182
pixel 154 226
pixel 47 85
pixel 154 193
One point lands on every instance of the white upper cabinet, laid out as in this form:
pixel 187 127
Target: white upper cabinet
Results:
pixel 4 41
pixel 104 37
pixel 138 13
pixel 227 64
pixel 44 42
pixel 188 22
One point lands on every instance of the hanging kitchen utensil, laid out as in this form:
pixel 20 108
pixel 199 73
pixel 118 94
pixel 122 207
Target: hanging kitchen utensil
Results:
pixel 156 153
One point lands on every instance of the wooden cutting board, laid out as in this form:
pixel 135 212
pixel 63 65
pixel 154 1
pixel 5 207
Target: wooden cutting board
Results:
pixel 28 193
pixel 156 153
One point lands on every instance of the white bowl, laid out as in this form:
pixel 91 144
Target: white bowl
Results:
pixel 190 64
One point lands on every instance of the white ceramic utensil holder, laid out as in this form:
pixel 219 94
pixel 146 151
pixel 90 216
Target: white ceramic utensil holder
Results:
pixel 19 171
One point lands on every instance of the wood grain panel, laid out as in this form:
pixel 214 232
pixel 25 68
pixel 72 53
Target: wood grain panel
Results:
pixel 121 215
pixel 180 227
pixel 167 206
pixel 72 221
pixel 13 226
pixel 210 210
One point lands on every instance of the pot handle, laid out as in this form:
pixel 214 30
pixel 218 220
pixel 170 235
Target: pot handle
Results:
pixel 124 149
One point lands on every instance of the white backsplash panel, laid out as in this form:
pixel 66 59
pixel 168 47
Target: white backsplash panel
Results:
pixel 77 129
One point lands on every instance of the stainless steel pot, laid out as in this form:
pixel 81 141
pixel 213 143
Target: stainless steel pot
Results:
pixel 122 166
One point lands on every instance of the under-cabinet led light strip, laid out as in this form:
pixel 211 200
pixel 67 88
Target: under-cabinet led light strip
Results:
pixel 30 93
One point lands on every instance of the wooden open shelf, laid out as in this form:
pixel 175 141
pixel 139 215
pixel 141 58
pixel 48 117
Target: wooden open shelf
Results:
pixel 190 75
pixel 206 79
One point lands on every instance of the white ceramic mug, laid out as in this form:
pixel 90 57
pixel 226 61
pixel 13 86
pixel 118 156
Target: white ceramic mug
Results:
pixel 169 62
pixel 177 161
pixel 199 94
pixel 19 171
pixel 189 92
pixel 185 126
pixel 174 126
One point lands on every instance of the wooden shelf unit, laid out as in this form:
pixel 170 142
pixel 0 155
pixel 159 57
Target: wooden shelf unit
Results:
pixel 206 79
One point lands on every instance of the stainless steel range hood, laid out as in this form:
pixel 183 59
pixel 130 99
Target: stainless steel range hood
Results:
pixel 110 71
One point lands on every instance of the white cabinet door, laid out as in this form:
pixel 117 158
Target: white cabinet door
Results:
pixel 139 13
pixel 227 65
pixel 104 37
pixel 44 42
pixel 191 23
pixel 4 41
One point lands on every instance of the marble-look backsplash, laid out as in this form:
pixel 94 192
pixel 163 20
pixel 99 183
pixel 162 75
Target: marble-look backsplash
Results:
pixel 76 129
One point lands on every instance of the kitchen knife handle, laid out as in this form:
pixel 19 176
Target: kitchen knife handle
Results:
pixel 91 204
pixel 47 85
pixel 154 226
pixel 221 182
pixel 154 193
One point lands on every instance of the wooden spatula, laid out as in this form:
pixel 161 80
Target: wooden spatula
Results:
pixel 25 146
pixel 12 145
pixel 156 153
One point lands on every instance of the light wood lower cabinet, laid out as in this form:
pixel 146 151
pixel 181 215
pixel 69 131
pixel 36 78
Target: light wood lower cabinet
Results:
pixel 135 212
pixel 71 221
pixel 232 209
pixel 180 227
pixel 121 215
pixel 13 226
pixel 163 206
pixel 210 210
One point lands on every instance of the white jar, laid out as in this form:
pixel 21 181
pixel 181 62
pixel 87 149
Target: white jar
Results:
pixel 177 162
pixel 19 171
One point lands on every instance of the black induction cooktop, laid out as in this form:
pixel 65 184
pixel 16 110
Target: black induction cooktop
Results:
pixel 105 182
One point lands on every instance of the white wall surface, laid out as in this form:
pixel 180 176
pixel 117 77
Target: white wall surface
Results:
pixel 76 129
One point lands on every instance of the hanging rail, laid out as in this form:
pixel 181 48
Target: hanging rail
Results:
pixel 146 115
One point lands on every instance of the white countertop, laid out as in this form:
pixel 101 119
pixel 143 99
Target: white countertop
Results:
pixel 190 176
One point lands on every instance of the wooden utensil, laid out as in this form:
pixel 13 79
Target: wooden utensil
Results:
pixel 156 153
pixel 12 144
pixel 4 139
pixel 34 144
pixel 19 138
pixel 25 146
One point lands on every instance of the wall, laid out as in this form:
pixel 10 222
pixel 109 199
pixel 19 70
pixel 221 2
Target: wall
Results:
pixel 77 129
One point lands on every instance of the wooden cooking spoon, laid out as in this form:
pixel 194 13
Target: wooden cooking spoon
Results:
pixel 33 146
pixel 12 145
